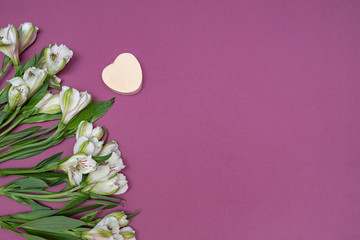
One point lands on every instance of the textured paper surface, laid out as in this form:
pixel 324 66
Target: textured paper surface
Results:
pixel 247 125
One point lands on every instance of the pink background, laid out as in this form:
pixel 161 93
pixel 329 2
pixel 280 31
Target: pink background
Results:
pixel 247 126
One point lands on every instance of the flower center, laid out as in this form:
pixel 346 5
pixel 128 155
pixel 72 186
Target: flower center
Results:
pixel 53 56
pixel 30 74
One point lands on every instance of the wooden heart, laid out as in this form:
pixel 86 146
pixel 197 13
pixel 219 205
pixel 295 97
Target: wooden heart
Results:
pixel 124 75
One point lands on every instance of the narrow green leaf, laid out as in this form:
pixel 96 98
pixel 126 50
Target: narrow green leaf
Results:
pixel 30 183
pixel 12 137
pixel 5 61
pixel 35 214
pixel 36 206
pixel 133 215
pixel 80 210
pixel 98 196
pixel 54 223
pixel 91 113
pixel 38 95
pixel 32 237
pixel 42 118
pixel 100 159
pixel 90 216
pixel 4 96
pixel 54 158
pixel 50 235
pixel 78 201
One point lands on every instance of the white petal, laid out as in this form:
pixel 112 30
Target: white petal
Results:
pixel 122 183
pixel 100 174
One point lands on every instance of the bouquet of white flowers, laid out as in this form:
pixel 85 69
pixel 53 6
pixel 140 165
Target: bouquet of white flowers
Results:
pixel 92 173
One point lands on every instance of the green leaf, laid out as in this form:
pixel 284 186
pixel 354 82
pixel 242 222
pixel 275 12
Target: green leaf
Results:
pixel 106 133
pixel 35 214
pixel 42 118
pixel 32 62
pixel 4 114
pixel 54 158
pixel 4 96
pixel 90 216
pixel 36 206
pixel 104 202
pixel 51 178
pixel 18 199
pixel 54 223
pixel 98 196
pixel 100 159
pixel 91 113
pixel 30 154
pixel 30 183
pixel 32 237
pixel 50 235
pixel 12 137
pixel 40 93
pixel 133 215
pixel 81 209
pixel 78 201
pixel 5 61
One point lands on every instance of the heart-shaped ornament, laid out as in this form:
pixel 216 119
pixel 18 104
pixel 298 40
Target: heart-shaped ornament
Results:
pixel 124 75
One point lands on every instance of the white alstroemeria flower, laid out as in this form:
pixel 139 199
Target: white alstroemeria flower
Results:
pixel 34 78
pixel 28 33
pixel 109 148
pixel 99 233
pixel 90 146
pixel 121 218
pixel 107 169
pixel 55 80
pixel 72 102
pixel 76 166
pixel 49 104
pixel 18 92
pixel 115 185
pixel 127 233
pixel 56 57
pixel 9 43
pixel 86 129
pixel 111 223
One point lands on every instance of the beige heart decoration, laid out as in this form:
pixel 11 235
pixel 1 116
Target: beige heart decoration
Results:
pixel 124 75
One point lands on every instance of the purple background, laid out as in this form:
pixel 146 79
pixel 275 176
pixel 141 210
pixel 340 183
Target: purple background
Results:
pixel 247 126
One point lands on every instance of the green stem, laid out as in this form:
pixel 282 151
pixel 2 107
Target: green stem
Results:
pixel 12 116
pixel 49 196
pixel 23 141
pixel 15 123
pixel 20 171
pixel 4 70
pixel 6 86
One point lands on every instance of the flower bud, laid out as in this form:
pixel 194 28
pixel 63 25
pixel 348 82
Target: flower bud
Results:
pixel 72 102
pixel 90 146
pixel 97 132
pixel 28 33
pixel 87 129
pixel 49 104
pixel 109 148
pixel 121 218
pixel 115 185
pixel 18 92
pixel 127 233
pixel 55 80
pixel 34 78
pixel 56 57
pixel 107 169
pixel 98 233
pixel 9 43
